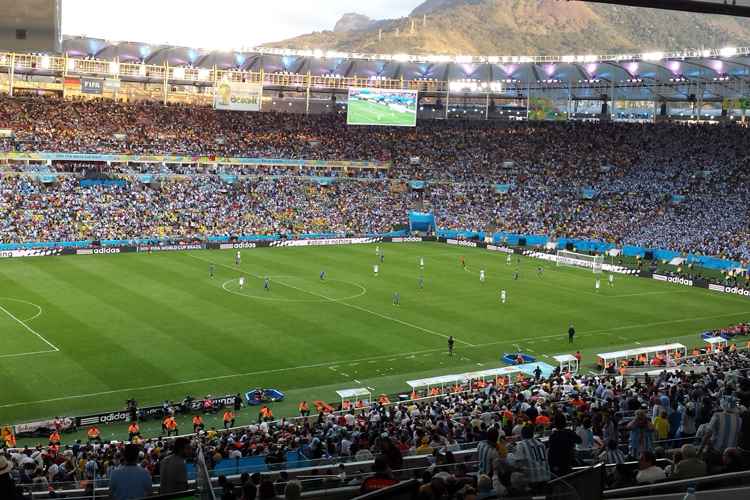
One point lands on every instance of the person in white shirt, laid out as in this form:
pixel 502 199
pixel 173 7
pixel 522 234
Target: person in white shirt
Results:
pixel 502 296
pixel 611 279
pixel 649 472
pixel 481 275
pixel 508 259
pixel 597 284
pixel 242 282
pixel 421 262
pixel 237 258
pixel 375 269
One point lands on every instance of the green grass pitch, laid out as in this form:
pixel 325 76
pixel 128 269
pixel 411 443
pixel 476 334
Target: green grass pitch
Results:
pixel 370 113
pixel 85 333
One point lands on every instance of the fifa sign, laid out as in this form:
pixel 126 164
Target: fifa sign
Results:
pixel 237 96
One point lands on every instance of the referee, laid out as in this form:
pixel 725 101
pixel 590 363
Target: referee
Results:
pixel 571 333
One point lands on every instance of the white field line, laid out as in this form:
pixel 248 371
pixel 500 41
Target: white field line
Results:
pixel 346 304
pixel 373 359
pixel 27 327
pixel 20 354
pixel 38 307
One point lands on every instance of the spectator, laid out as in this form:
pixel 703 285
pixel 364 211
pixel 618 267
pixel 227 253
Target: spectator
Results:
pixel 381 478
pixel 648 471
pixel 174 468
pixel 725 425
pixel 562 445
pixel 641 434
pixel 130 480
pixel 690 465
pixel 530 456
pixel 487 454
pixel 293 490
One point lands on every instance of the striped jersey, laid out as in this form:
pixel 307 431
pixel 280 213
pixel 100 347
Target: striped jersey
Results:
pixel 725 429
pixel 531 456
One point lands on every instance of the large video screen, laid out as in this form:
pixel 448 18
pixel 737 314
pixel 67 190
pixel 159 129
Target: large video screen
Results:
pixel 369 106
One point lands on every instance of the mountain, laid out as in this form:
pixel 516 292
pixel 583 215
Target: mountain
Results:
pixel 526 27
pixel 352 22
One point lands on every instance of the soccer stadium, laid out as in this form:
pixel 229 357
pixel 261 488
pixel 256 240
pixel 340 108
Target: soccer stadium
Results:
pixel 324 274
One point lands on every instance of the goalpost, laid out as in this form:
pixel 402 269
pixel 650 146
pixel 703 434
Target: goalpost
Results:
pixel 573 259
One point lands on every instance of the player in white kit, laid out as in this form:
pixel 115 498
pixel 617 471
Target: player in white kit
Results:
pixel 481 275
pixel 421 262
pixel 242 282
pixel 237 258
pixel 508 259
pixel 503 296
pixel 597 284
pixel 611 280
pixel 375 269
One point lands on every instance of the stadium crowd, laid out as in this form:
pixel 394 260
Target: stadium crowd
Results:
pixel 630 172
pixel 695 420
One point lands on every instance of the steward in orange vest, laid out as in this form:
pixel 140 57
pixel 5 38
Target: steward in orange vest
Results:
pixel 94 434
pixel 54 438
pixel 228 419
pixel 198 424
pixel 170 425
pixel 133 431
pixel 304 409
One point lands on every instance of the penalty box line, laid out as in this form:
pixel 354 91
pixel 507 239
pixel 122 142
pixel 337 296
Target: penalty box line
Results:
pixel 351 306
pixel 34 332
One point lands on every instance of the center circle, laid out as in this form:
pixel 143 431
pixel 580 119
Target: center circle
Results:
pixel 232 286
pixel 21 301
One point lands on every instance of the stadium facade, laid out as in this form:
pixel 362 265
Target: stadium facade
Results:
pixel 704 84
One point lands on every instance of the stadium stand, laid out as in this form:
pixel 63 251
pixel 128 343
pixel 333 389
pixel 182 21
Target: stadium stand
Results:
pixel 689 421
pixel 654 185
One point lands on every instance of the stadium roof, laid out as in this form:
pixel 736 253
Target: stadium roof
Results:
pixel 720 73
pixel 653 66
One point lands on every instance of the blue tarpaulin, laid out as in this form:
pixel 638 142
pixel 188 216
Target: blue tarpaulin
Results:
pixel 103 182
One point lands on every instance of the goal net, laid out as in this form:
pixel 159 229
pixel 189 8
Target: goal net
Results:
pixel 573 259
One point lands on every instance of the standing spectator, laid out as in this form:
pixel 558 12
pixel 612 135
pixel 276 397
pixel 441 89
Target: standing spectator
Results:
pixel 489 458
pixel 725 425
pixel 130 480
pixel 562 443
pixel 641 435
pixel 174 469
pixel 530 456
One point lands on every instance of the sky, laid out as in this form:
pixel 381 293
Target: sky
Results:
pixel 215 24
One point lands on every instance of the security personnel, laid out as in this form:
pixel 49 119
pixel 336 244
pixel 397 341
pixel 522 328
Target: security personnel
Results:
pixel 198 423
pixel 133 431
pixel 170 424
pixel 54 438
pixel 94 434
pixel 265 414
pixel 228 419
pixel 304 409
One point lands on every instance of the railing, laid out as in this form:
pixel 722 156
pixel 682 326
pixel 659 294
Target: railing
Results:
pixel 732 479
